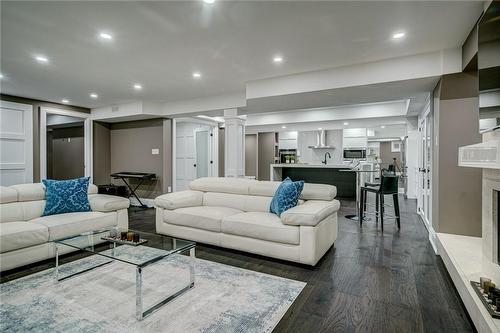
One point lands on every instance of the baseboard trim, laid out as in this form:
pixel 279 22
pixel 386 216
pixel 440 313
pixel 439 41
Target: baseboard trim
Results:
pixel 432 233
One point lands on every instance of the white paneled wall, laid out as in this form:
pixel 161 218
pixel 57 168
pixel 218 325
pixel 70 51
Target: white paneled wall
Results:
pixel 16 143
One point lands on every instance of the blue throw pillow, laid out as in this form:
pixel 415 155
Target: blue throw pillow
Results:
pixel 66 196
pixel 286 196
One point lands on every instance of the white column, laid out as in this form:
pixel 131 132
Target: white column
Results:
pixel 234 144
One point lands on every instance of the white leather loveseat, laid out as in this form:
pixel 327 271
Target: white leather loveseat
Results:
pixel 26 236
pixel 234 213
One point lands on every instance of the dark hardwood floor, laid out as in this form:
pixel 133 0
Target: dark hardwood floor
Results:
pixel 369 282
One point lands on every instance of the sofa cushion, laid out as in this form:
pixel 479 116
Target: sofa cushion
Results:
pixel 17 235
pixel 36 191
pixel 247 203
pixel 201 217
pixel 7 195
pixel 179 199
pixel 318 192
pixel 21 211
pixel 221 184
pixel 107 203
pixel 66 196
pixel 72 224
pixel 261 225
pixel 29 192
pixel 310 213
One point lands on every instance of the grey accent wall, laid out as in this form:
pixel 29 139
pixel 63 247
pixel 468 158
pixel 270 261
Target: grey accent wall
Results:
pixel 131 144
pixel 37 104
pixel 101 151
pixel 251 155
pixel 265 154
pixel 456 190
pixel 386 155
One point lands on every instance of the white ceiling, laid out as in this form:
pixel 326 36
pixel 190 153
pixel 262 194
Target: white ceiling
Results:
pixel 160 44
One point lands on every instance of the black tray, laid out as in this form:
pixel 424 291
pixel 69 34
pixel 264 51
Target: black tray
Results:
pixel 119 241
pixel 479 291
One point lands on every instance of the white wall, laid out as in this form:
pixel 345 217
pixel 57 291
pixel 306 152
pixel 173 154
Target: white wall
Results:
pixel 315 156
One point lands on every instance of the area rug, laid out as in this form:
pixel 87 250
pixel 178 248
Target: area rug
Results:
pixel 224 299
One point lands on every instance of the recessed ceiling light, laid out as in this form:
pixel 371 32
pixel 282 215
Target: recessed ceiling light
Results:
pixel 346 123
pixel 320 128
pixel 65 101
pixel 382 126
pixel 137 86
pixel 197 75
pixel 105 36
pixel 93 95
pixel 398 35
pixel 283 126
pixel 1 76
pixel 41 59
pixel 209 1
pixel 277 59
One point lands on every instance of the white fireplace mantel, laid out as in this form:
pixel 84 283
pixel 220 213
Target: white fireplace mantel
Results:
pixel 484 155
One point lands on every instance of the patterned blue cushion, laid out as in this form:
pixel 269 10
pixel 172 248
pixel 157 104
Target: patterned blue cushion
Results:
pixel 66 196
pixel 286 196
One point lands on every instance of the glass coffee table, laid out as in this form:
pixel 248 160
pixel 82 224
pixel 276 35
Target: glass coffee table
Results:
pixel 158 247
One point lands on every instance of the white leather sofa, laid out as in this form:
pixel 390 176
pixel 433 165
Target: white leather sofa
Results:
pixel 26 236
pixel 234 213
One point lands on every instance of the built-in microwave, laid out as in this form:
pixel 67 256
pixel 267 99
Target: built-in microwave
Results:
pixel 354 153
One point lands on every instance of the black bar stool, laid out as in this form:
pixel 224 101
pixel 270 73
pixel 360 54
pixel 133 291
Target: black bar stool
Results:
pixel 388 186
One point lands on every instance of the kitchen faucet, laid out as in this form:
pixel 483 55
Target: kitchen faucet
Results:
pixel 329 156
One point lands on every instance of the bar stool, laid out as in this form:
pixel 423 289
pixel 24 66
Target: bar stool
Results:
pixel 388 186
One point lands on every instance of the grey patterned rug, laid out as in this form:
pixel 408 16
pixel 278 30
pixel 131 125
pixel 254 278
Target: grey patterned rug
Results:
pixel 224 299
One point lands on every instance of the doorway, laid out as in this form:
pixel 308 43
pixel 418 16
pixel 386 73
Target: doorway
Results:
pixel 424 199
pixel 65 149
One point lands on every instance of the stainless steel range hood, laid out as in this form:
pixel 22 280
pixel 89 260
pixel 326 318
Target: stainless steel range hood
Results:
pixel 321 141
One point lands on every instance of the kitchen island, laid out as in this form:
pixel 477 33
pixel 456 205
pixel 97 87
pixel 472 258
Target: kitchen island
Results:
pixel 318 173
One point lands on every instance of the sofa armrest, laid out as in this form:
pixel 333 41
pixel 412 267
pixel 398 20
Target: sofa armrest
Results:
pixel 310 213
pixel 107 203
pixel 180 199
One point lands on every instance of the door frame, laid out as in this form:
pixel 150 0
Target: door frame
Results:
pixel 87 133
pixel 28 138
pixel 215 146
pixel 423 122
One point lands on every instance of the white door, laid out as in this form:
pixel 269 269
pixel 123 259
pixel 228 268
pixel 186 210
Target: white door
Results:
pixel 424 168
pixel 16 143
pixel 185 156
